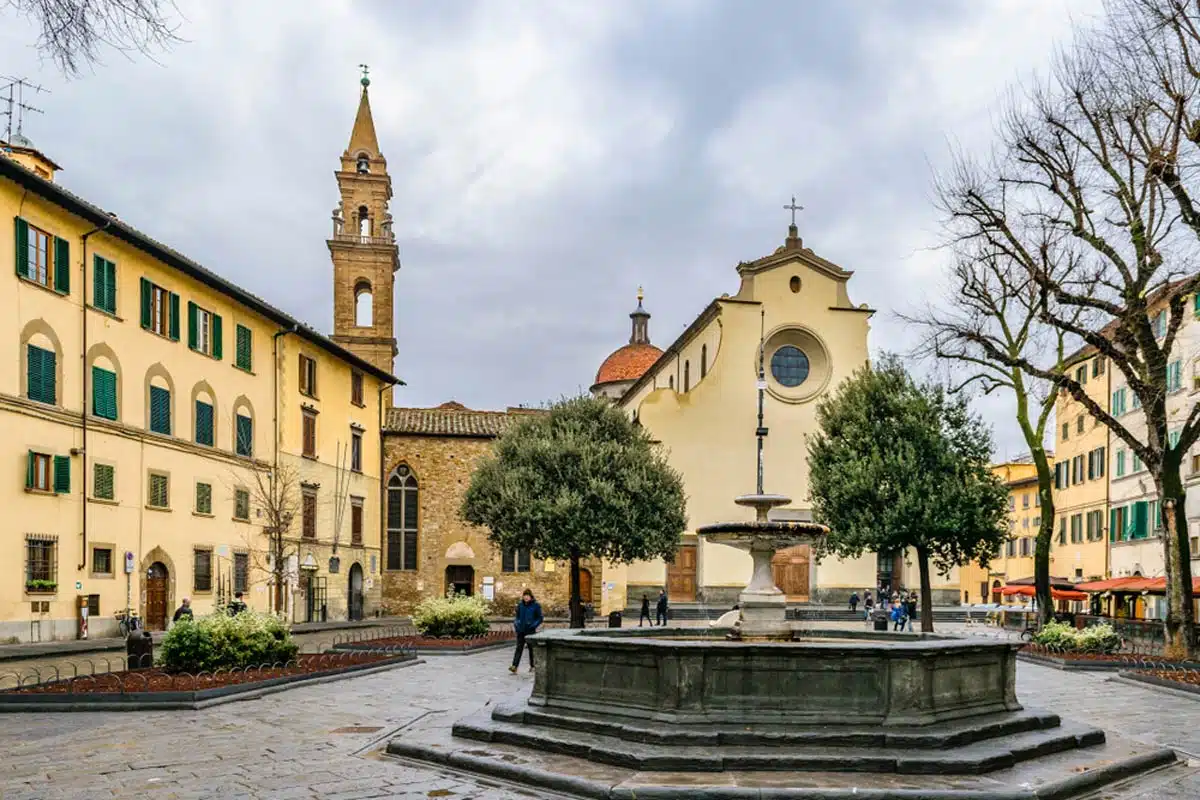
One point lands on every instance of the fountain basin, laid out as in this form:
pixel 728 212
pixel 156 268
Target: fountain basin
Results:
pixel 850 678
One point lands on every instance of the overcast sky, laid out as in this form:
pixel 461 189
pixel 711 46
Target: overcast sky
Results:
pixel 548 157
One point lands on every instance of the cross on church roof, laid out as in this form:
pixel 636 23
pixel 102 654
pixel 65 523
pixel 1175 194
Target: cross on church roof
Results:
pixel 366 81
pixel 793 208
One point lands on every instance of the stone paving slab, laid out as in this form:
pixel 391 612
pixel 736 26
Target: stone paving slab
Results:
pixel 282 746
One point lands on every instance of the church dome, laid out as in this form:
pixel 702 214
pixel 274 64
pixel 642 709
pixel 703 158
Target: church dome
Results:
pixel 628 363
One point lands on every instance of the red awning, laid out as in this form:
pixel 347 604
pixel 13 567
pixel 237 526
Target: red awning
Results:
pixel 1057 594
pixel 1055 583
pixel 1131 585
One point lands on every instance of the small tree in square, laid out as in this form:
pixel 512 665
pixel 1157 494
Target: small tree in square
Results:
pixel 580 480
pixel 898 466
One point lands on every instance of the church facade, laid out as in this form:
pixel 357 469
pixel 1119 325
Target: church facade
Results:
pixel 793 315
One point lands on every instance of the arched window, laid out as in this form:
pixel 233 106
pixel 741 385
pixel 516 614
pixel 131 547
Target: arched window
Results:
pixel 703 361
pixel 687 376
pixel 205 416
pixel 364 310
pixel 402 520
pixel 364 223
pixel 42 368
pixel 104 387
pixel 364 164
pixel 243 428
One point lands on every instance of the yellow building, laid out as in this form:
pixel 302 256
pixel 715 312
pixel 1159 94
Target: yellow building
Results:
pixel 1014 559
pixel 143 400
pixel 699 398
pixel 1080 551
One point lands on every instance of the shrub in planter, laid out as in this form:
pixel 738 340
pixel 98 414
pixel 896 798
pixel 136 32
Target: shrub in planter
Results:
pixel 1064 638
pixel 40 585
pixel 452 616
pixel 224 642
pixel 1056 636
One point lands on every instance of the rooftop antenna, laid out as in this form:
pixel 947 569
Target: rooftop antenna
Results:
pixel 16 105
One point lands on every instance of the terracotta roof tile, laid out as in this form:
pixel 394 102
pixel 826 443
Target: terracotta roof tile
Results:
pixel 628 363
pixel 452 419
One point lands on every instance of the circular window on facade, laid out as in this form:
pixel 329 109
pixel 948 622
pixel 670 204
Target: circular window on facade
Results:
pixel 789 366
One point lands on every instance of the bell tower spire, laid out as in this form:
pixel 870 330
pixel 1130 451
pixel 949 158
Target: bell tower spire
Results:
pixel 363 247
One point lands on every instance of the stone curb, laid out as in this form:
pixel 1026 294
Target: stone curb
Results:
pixel 1155 682
pixel 1073 786
pixel 432 651
pixel 178 701
pixel 1067 665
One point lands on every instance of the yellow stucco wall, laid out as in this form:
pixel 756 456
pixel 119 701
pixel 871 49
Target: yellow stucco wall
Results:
pixel 1084 559
pixel 31 313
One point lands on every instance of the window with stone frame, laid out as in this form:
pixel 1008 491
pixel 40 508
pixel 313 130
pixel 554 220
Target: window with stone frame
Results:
pixel 309 432
pixel 202 572
pixel 241 504
pixel 356 445
pixel 308 376
pixel 41 562
pixel 356 521
pixel 241 572
pixel 356 388
pixel 514 560
pixel 308 512
pixel 102 561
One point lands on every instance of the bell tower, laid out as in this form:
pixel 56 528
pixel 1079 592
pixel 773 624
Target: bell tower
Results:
pixel 363 247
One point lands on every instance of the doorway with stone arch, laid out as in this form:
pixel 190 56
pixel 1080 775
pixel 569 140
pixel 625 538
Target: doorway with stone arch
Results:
pixel 157 594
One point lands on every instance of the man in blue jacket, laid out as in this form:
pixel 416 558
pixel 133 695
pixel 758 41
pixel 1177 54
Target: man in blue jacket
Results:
pixel 526 622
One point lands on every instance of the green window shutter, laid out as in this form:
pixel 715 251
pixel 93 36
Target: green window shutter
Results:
pixel 110 286
pixel 244 348
pixel 29 459
pixel 215 335
pixel 160 410
pixel 62 474
pixel 103 487
pixel 147 302
pixel 204 423
pixel 62 266
pixel 1140 517
pixel 23 248
pixel 193 312
pixel 1112 524
pixel 245 436
pixel 99 283
pixel 174 320
pixel 1196 304
pixel 104 393
pixel 42 375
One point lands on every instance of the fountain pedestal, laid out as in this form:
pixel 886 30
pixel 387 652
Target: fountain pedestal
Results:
pixel 762 605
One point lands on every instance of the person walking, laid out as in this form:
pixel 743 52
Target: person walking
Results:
pixel 910 609
pixel 853 602
pixel 897 616
pixel 645 615
pixel 660 616
pixel 184 610
pixel 868 603
pixel 526 622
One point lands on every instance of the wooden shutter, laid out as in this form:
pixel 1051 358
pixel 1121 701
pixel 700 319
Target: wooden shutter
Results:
pixel 62 266
pixel 30 466
pixel 1140 519
pixel 204 423
pixel 192 314
pixel 356 523
pixel 173 330
pixel 104 393
pixel 99 284
pixel 160 410
pixel 22 236
pixel 42 377
pixel 62 474
pixel 104 480
pixel 147 303
pixel 245 436
pixel 243 355
pixel 215 336
pixel 304 387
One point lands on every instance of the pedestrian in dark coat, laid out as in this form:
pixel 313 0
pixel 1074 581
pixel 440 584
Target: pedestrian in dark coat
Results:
pixel 661 609
pixel 645 616
pixel 526 622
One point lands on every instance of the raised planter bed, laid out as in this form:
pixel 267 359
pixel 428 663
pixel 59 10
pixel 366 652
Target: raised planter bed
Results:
pixel 493 640
pixel 1116 662
pixel 154 689
pixel 1181 680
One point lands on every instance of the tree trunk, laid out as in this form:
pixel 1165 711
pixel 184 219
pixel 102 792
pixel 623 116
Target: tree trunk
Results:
pixel 926 592
pixel 1180 622
pixel 277 547
pixel 576 604
pixel 1041 553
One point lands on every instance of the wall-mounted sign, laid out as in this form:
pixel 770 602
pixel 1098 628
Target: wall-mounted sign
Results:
pixel 78 585
pixel 128 563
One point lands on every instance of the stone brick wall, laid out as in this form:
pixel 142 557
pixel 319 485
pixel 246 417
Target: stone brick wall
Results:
pixel 443 468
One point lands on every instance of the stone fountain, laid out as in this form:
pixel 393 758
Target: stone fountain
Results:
pixel 762 605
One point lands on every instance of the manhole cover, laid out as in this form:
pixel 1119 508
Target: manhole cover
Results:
pixel 358 729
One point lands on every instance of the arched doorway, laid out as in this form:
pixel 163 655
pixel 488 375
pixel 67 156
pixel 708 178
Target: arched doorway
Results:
pixel 156 597
pixel 460 579
pixel 356 592
pixel 996 596
pixel 585 586
pixel 789 567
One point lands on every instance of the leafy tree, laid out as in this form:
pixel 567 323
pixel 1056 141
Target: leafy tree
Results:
pixel 579 480
pixel 897 466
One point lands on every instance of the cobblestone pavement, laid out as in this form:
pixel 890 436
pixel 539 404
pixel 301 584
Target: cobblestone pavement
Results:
pixel 284 745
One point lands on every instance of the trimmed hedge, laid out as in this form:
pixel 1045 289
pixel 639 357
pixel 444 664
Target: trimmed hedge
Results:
pixel 224 642
pixel 1067 639
pixel 452 616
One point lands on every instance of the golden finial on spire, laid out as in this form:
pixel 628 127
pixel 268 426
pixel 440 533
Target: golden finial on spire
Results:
pixel 641 295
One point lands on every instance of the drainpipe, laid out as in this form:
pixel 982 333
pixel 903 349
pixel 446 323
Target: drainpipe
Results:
pixel 382 495
pixel 275 450
pixel 83 410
